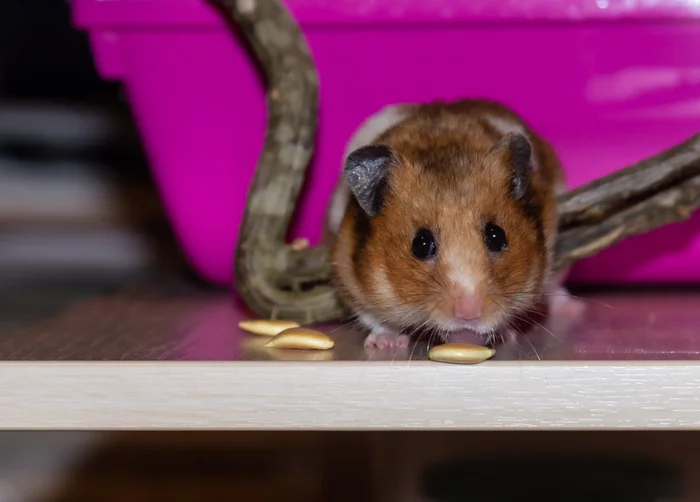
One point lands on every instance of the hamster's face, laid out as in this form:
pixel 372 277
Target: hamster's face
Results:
pixel 451 243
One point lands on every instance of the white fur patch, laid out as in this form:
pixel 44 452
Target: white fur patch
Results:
pixel 384 287
pixel 504 126
pixel 369 322
pixel 560 188
pixel 336 211
pixel 463 278
pixel 365 134
pixel 375 125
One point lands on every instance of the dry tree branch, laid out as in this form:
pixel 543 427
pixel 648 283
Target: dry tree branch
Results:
pixel 270 276
pixel 667 206
pixel 594 201
pixel 659 190
pixel 277 281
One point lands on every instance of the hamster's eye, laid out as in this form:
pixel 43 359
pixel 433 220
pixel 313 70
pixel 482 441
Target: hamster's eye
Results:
pixel 495 238
pixel 424 244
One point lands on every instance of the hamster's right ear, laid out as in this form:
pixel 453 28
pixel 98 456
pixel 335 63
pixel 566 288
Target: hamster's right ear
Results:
pixel 366 172
pixel 516 151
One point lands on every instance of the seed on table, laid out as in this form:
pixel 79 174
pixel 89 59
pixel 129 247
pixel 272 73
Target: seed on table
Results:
pixel 301 338
pixel 267 327
pixel 300 355
pixel 460 353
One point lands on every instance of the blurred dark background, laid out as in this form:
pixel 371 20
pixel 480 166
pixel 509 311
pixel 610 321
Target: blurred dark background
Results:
pixel 44 59
pixel 79 213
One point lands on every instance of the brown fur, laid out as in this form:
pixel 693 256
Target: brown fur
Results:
pixel 444 179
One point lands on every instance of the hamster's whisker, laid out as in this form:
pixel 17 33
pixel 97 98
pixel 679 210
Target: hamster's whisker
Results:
pixel 439 282
pixel 544 328
pixel 517 284
pixel 565 295
pixel 524 336
pixel 515 304
pixel 354 322
pixel 436 332
pixel 533 348
pixel 419 296
pixel 522 315
pixel 418 328
pixel 516 300
pixel 525 308
pixel 490 337
pixel 549 331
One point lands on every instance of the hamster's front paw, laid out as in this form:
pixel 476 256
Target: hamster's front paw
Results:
pixel 381 338
pixel 562 304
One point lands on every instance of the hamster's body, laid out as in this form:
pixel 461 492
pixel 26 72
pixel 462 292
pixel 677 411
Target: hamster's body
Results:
pixel 445 219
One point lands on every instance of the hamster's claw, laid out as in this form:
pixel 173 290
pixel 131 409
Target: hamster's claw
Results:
pixel 382 339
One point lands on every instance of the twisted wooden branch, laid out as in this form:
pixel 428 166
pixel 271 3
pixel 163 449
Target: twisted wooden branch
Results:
pixel 660 190
pixel 277 281
pixel 270 276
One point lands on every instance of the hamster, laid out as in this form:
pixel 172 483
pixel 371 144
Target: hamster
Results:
pixel 445 219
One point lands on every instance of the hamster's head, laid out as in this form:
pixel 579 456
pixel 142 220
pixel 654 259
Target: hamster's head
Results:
pixel 448 237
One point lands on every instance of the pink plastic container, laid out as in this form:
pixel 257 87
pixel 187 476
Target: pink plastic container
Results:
pixel 609 82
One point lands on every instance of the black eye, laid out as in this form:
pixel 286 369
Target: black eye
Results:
pixel 424 244
pixel 495 238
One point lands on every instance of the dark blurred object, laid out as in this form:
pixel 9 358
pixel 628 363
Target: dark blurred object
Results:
pixel 42 56
pixel 76 192
pixel 79 213
pixel 72 164
pixel 550 479
pixel 85 466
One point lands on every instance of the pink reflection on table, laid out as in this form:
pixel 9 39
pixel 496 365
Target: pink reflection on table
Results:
pixel 624 326
pixel 212 334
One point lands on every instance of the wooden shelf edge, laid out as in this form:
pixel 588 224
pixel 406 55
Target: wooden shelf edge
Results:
pixel 350 395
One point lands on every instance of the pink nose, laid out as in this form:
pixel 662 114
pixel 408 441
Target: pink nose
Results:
pixel 468 307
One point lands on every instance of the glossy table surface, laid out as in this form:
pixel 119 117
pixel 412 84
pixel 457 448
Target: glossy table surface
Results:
pixel 180 324
pixel 170 356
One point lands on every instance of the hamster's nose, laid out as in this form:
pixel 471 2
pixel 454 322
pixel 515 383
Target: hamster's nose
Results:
pixel 468 307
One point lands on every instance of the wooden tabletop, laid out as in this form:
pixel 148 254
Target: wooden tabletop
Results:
pixel 172 356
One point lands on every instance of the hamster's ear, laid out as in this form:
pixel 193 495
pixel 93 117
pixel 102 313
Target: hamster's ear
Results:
pixel 365 172
pixel 515 150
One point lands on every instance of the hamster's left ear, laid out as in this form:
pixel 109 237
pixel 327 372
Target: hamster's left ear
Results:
pixel 515 150
pixel 365 172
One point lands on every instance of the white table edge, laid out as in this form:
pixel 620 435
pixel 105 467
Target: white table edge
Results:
pixel 350 395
